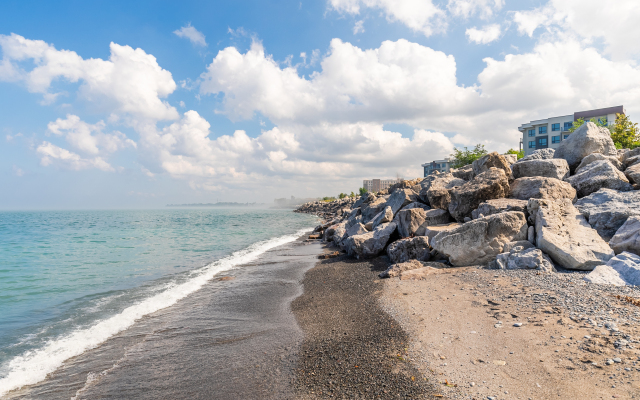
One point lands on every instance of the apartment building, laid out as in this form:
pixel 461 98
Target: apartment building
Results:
pixel 550 132
pixel 437 165
pixel 376 185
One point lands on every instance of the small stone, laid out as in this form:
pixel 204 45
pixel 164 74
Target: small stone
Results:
pixel 472 384
pixel 609 362
pixel 518 324
pixel 617 360
pixel 627 369
pixel 587 337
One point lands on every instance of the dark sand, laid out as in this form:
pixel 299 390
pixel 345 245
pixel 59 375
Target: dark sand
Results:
pixel 352 348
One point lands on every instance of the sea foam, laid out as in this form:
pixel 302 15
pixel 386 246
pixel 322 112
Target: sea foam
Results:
pixel 33 366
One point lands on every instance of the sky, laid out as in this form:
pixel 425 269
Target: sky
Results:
pixel 113 104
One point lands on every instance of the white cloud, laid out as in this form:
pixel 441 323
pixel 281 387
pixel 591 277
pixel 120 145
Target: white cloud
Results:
pixel 52 154
pixel 19 172
pixel 189 32
pixel 467 8
pixel 358 27
pixel 419 15
pixel 486 34
pixel 89 138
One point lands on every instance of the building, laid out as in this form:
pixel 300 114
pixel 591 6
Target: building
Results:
pixel 550 132
pixel 376 185
pixel 437 165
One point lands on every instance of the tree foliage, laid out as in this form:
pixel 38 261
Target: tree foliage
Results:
pixel 460 158
pixel 362 191
pixel 625 134
pixel 579 122
pixel 342 195
pixel 520 153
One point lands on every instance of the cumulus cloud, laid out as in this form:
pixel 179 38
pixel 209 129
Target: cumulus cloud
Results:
pixel 358 27
pixel 89 138
pixel 189 32
pixel 52 154
pixel 486 34
pixel 467 8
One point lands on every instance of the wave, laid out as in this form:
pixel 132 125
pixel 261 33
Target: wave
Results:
pixel 34 365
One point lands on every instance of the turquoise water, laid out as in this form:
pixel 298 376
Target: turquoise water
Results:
pixel 70 279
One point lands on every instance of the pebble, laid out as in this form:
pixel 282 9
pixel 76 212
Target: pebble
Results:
pixel 617 360
pixel 472 384
pixel 518 324
pixel 609 362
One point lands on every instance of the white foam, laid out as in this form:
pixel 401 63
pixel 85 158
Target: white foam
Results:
pixel 33 366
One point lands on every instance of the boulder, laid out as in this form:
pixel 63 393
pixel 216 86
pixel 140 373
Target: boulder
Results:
pixel 416 204
pixel 585 140
pixel 491 160
pixel 491 184
pixel 401 198
pixel 437 183
pixel 436 217
pixel 410 222
pixel 431 231
pixel 600 157
pixel 538 187
pixel 553 168
pixel 336 230
pixel 628 154
pixel 372 209
pixel 481 240
pixel 383 216
pixel 416 248
pixel 370 244
pixel 632 161
pixel 621 270
pixel 566 236
pixel 598 175
pixel 542 154
pixel 523 258
pixel 523 244
pixel 511 158
pixel 356 229
pixel 496 206
pixel 627 238
pixel 633 173
pixel 465 172
pixel 402 268
pixel 607 210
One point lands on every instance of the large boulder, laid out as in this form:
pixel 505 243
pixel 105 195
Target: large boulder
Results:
pixel 401 198
pixel 372 209
pixel 335 231
pixel 497 206
pixel 431 231
pixel 413 222
pixel 598 175
pixel 383 216
pixel 491 160
pixel 541 154
pixel 356 229
pixel 599 157
pixel 415 248
pixel 585 140
pixel 554 168
pixel 607 210
pixel 511 158
pixel 621 270
pixel 566 236
pixel 438 195
pixel 481 240
pixel 370 244
pixel 437 180
pixel 491 184
pixel 633 173
pixel 538 187
pixel 523 258
pixel 465 172
pixel 628 154
pixel 632 161
pixel 627 238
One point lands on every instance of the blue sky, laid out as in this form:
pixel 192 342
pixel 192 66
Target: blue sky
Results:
pixel 232 112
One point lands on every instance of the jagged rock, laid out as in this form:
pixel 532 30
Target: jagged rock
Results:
pixel 465 172
pixel 405 184
pixel 383 216
pixel 553 168
pixel 566 236
pixel 416 248
pixel 481 240
pixel 437 217
pixel 633 173
pixel 401 198
pixel 627 238
pixel 542 154
pixel 438 194
pixel 511 158
pixel 335 232
pixel 373 208
pixel 357 229
pixel 606 210
pixel 413 222
pixel 531 235
pixel 629 154
pixel 600 157
pixel 437 180
pixel 585 140
pixel 491 184
pixel 621 270
pixel 632 161
pixel 370 244
pixel 416 204
pixel 431 231
pixel 538 187
pixel 598 175
pixel 491 160
pixel 523 244
pixel 523 258
pixel 496 206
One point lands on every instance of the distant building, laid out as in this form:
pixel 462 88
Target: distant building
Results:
pixel 376 185
pixel 550 132
pixel 437 165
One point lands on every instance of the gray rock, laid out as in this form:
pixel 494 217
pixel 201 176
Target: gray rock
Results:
pixel 542 154
pixel 465 172
pixel 496 206
pixel 632 161
pixel 566 236
pixel 598 175
pixel 600 157
pixel 372 209
pixel 439 194
pixel 370 244
pixel 416 248
pixel 538 187
pixel 357 229
pixel 410 222
pixel 523 258
pixel 416 204
pixel 336 230
pixel 606 210
pixel 627 238
pixel 523 244
pixel 401 198
pixel 585 140
pixel 481 240
pixel 621 270
pixel 432 230
pixel 553 168
pixel 511 158
pixel 628 154
pixel 491 160
pixel 491 184
pixel 436 182
pixel 383 216
pixel 531 234
pixel 633 173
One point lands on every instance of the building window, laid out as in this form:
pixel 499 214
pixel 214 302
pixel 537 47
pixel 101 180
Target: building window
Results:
pixel 542 129
pixel 568 125
pixel 555 139
pixel 542 141
pixel 532 144
pixel 566 136
pixel 532 132
pixel 555 127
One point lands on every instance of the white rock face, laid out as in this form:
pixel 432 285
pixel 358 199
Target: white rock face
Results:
pixel 373 208
pixel 401 198
pixel 586 140
pixel 413 222
pixel 606 210
pixel 496 206
pixel 542 154
pixel 621 270
pixel 540 187
pixel 521 258
pixel 627 238
pixel 481 240
pixel 431 231
pixel 511 158
pixel 416 248
pixel 566 236
pixel 370 244
pixel 600 157
pixel 554 168
pixel 598 175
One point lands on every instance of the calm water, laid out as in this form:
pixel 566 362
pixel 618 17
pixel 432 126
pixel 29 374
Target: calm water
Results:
pixel 69 280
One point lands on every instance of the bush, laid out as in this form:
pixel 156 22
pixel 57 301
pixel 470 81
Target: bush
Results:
pixel 460 158
pixel 625 134
pixel 520 153
pixel 363 191
pixel 342 195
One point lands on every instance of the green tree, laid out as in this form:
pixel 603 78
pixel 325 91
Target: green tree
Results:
pixel 362 191
pixel 342 195
pixel 328 199
pixel 352 194
pixel 520 153
pixel 625 134
pixel 579 122
pixel 460 158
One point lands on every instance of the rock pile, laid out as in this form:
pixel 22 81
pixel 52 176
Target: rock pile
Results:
pixel 575 208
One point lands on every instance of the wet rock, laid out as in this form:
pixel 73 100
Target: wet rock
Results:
pixel 621 270
pixel 553 168
pixel 541 188
pixel 496 206
pixel 491 160
pixel 627 238
pixel 585 140
pixel 598 175
pixel 606 210
pixel 491 184
pixel 416 248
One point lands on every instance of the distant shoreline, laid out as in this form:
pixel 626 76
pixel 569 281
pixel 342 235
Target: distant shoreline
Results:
pixel 223 204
